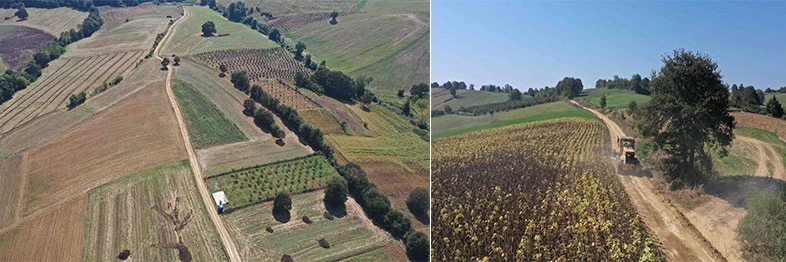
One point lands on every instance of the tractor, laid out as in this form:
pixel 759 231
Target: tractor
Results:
pixel 628 161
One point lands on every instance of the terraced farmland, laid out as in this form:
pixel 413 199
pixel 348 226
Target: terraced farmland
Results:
pixel 548 199
pixel 287 95
pixel 274 63
pixel 259 184
pixel 64 77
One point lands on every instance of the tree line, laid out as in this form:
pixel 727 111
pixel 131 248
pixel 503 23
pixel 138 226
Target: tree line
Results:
pixel 334 83
pixel 635 83
pixel 11 82
pixel 81 5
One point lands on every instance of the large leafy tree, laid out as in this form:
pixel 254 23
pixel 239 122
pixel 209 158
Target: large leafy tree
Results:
pixel 208 28
pixel 688 114
pixel 21 13
pixel 336 192
pixel 774 108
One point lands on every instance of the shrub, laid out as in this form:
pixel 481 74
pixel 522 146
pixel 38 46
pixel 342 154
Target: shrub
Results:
pixel 417 245
pixel 287 258
pixel 269 229
pixel 327 215
pixel 124 254
pixel 307 220
pixel 323 243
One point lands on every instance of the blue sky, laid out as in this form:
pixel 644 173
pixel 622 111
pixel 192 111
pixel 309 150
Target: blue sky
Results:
pixel 535 44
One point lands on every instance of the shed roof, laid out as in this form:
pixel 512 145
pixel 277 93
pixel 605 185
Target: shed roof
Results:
pixel 220 198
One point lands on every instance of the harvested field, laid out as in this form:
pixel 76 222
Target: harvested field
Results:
pixel 41 129
pixel 206 125
pixel 342 112
pixel 287 95
pixel 65 76
pixel 136 134
pixel 286 23
pixel 187 39
pixel 136 35
pixel 745 119
pixel 322 119
pixel 222 159
pixel 114 16
pixel 273 63
pixel 259 184
pixel 120 217
pixel 290 7
pixel 18 43
pixel 53 21
pixel 11 179
pixel 348 236
pixel 53 235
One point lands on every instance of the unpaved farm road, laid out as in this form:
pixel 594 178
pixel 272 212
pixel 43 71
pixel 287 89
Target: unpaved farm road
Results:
pixel 680 241
pixel 196 169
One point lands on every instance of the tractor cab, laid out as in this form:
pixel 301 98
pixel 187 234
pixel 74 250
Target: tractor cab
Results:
pixel 627 153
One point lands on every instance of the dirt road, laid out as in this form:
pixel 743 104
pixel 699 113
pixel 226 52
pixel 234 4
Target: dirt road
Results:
pixel 196 169
pixel 681 242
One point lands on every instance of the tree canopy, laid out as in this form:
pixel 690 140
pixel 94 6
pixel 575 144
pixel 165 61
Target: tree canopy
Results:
pixel 22 13
pixel 774 108
pixel 282 202
pixel 208 28
pixel 687 114
pixel 569 87
pixel 418 201
pixel 336 191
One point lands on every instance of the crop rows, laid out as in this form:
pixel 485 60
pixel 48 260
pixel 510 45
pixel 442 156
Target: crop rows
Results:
pixel 286 23
pixel 260 184
pixel 538 191
pixel 51 91
pixel 287 95
pixel 274 63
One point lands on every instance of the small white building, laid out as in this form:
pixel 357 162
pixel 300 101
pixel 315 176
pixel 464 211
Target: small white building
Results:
pixel 220 198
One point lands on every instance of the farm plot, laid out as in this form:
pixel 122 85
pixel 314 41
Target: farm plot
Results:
pixel 286 23
pixel 322 119
pixel 260 184
pixel 226 158
pixel 340 111
pixel 53 21
pixel 186 38
pixel 287 95
pixel 139 34
pixel 11 182
pixel 64 77
pixel 274 63
pixel 348 236
pixel 114 16
pixel 119 216
pixel 206 124
pixel 291 7
pixel 54 235
pixel 552 197
pixel 135 134
pixel 745 119
pixel 18 43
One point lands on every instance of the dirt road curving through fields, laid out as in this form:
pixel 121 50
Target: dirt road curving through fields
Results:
pixel 680 241
pixel 196 169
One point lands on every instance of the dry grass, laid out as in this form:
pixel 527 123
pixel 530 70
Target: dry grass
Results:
pixel 222 159
pixel 53 21
pixel 777 126
pixel 136 134
pixel 114 16
pixel 11 178
pixel 120 217
pixel 322 119
pixel 287 95
pixel 55 235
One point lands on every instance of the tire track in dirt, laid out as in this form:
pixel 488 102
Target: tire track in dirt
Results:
pixel 680 240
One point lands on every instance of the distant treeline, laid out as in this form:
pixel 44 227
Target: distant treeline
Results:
pixel 81 5
pixel 568 87
pixel 635 83
pixel 11 82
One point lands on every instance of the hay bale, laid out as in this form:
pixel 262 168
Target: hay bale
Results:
pixel 328 216
pixel 287 258
pixel 269 229
pixel 124 254
pixel 323 243
pixel 307 220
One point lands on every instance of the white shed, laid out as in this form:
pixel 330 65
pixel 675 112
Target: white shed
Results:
pixel 220 198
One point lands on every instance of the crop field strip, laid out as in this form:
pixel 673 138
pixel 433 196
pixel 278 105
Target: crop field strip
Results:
pixel 271 63
pixel 53 21
pixel 206 124
pixel 288 95
pixel 286 23
pixel 72 77
pixel 553 196
pixel 259 184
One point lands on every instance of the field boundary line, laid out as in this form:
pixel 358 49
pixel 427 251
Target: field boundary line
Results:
pixel 23 169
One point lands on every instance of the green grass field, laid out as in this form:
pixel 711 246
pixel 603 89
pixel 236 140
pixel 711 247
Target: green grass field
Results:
pixel 2 66
pixel 740 160
pixel 290 7
pixel 451 125
pixel 119 216
pixel 615 98
pixel 781 98
pixel 260 184
pixel 52 20
pixel 465 98
pixel 387 40
pixel 206 124
pixel 348 236
pixel 187 39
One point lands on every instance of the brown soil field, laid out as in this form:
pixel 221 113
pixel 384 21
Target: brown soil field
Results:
pixel 286 23
pixel 11 178
pixel 224 158
pixel 67 76
pixel 53 21
pixel 136 134
pixel 18 43
pixel 273 63
pixel 322 119
pixel 287 95
pixel 55 235
pixel 120 217
pixel 114 16
pixel 138 34
pixel 777 126
pixel 40 129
